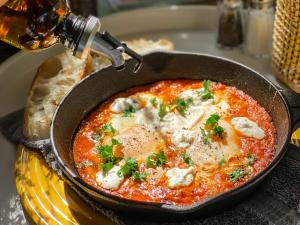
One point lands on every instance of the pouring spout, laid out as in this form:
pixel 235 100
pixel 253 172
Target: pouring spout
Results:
pixel 114 49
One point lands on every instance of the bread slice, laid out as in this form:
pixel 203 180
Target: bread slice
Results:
pixel 57 75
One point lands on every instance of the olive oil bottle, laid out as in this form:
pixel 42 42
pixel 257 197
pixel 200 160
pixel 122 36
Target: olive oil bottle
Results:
pixel 39 24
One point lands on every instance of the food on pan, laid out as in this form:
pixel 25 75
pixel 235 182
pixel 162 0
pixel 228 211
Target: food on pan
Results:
pixel 174 142
pixel 57 75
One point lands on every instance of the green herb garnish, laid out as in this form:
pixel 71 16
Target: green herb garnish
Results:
pixel 129 111
pixel 237 174
pixel 105 152
pixel 205 136
pixel 222 162
pixel 212 120
pixel 218 131
pixel 181 105
pixel 153 102
pixel 108 128
pixel 106 166
pixel 139 176
pixel 250 160
pixel 97 137
pixel 187 159
pixel 129 167
pixel 115 142
pixel 156 159
pixel 162 110
pixel 206 92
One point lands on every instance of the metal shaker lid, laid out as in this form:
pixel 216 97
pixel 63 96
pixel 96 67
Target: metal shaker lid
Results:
pixel 261 4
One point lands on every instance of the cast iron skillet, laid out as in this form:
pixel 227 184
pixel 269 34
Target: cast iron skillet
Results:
pixel 283 106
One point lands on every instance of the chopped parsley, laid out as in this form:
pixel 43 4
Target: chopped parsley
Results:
pixel 105 153
pixel 129 111
pixel 250 160
pixel 156 159
pixel 162 110
pixel 212 128
pixel 108 128
pixel 205 136
pixel 187 159
pixel 139 176
pixel 181 105
pixel 218 131
pixel 107 166
pixel 206 93
pixel 153 102
pixel 237 174
pixel 222 161
pixel 130 166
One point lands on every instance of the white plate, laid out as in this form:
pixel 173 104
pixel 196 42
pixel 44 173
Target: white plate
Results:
pixel 191 28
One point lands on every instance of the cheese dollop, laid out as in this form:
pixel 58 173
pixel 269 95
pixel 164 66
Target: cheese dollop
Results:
pixel 110 180
pixel 179 177
pixel 122 104
pixel 248 127
pixel 182 138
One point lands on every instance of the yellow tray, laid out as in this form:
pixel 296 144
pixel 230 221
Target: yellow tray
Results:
pixel 46 198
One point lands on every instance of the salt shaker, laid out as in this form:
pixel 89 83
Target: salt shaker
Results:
pixel 230 31
pixel 259 28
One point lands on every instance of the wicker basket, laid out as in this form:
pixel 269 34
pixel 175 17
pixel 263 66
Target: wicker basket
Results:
pixel 286 43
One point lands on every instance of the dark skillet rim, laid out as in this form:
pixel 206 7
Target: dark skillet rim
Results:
pixel 98 194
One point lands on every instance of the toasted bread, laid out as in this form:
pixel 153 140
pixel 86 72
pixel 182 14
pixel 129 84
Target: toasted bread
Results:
pixel 56 76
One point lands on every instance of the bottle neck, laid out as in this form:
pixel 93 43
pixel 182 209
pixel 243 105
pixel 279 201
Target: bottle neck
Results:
pixel 77 33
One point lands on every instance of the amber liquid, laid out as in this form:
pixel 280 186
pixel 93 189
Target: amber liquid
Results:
pixel 31 24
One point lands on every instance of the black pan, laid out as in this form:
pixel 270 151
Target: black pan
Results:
pixel 283 105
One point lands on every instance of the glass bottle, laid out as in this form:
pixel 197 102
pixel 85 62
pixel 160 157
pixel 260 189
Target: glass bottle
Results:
pixel 260 20
pixel 39 24
pixel 230 30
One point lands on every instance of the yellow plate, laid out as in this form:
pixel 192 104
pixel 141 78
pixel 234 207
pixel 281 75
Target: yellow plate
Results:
pixel 46 198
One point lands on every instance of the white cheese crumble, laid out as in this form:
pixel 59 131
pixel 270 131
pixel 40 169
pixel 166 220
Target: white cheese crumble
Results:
pixel 182 138
pixel 248 127
pixel 179 177
pixel 110 180
pixel 122 104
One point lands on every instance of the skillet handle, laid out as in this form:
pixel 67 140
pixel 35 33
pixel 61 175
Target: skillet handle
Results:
pixel 293 100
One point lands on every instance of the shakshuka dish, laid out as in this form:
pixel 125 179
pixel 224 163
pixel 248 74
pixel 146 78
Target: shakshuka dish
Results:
pixel 174 142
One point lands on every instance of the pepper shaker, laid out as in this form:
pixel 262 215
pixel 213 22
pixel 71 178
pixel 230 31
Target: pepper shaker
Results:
pixel 230 30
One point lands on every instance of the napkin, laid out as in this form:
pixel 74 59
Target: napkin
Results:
pixel 275 202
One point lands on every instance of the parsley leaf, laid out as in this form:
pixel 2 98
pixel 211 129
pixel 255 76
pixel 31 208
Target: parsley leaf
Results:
pixel 181 105
pixel 218 131
pixel 153 102
pixel 139 176
pixel 222 161
pixel 237 174
pixel 250 160
pixel 129 111
pixel 212 120
pixel 115 142
pixel 108 128
pixel 107 166
pixel 162 110
pixel 187 159
pixel 205 136
pixel 156 159
pixel 129 167
pixel 206 93
pixel 105 152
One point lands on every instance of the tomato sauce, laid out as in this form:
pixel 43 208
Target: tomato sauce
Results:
pixel 208 181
